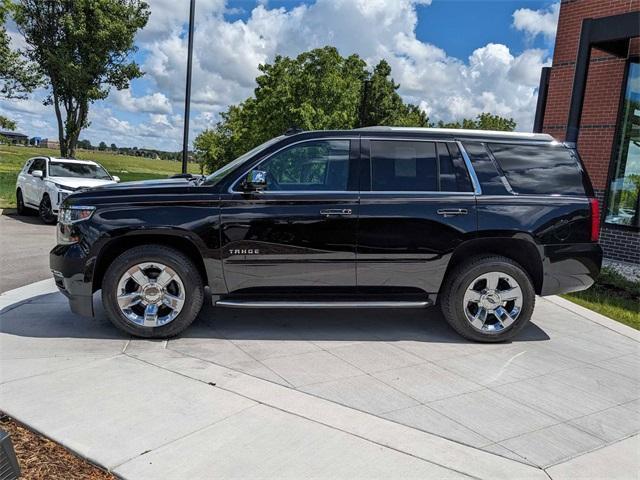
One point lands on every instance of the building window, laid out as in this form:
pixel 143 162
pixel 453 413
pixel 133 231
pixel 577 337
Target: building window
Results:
pixel 623 203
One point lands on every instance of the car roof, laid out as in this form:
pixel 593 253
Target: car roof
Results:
pixel 432 133
pixel 71 160
pixel 461 132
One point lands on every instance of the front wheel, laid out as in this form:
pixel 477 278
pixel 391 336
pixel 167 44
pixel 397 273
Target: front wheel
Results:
pixel 21 208
pixel 488 299
pixel 152 291
pixel 46 211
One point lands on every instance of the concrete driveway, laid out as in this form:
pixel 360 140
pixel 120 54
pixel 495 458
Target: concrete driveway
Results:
pixel 327 394
pixel 24 249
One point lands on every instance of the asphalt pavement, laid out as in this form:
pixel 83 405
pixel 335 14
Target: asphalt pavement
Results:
pixel 24 249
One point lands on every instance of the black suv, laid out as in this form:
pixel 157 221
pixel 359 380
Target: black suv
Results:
pixel 477 222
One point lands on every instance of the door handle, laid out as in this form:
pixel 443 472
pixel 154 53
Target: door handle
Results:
pixel 452 212
pixel 335 212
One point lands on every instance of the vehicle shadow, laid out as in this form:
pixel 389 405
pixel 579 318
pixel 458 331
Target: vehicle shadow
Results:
pixel 30 219
pixel 48 316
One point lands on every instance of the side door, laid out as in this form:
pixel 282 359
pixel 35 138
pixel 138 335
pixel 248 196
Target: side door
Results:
pixel 300 231
pixel 417 204
pixel 33 185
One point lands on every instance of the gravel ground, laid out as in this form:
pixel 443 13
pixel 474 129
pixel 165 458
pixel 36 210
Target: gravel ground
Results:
pixel 629 270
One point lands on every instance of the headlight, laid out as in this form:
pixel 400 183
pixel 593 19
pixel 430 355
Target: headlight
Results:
pixel 74 214
pixel 63 187
pixel 67 233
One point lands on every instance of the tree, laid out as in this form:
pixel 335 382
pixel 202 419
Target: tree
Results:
pixel 6 124
pixel 484 121
pixel 83 48
pixel 384 106
pixel 114 147
pixel 86 144
pixel 102 146
pixel 18 76
pixel 317 90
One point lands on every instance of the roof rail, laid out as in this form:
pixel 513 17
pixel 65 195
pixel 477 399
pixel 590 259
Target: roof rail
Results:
pixel 293 130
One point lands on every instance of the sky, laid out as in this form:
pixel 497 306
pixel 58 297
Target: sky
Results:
pixel 452 58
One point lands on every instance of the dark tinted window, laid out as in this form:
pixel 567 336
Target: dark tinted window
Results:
pixel 539 169
pixel 488 176
pixel 454 176
pixel 38 164
pixel 404 166
pixel 312 166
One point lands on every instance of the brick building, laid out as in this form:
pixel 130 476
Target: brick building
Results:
pixel 591 96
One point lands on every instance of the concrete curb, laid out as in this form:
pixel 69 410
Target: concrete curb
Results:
pixel 16 297
pixel 595 317
pixel 417 443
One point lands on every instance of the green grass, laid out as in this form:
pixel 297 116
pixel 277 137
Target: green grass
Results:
pixel 128 168
pixel 613 296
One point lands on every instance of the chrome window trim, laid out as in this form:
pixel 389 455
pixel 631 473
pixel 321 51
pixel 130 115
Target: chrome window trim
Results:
pixel 477 189
pixel 413 192
pixel 306 140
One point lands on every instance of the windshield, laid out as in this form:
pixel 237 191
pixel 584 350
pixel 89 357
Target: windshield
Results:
pixel 219 174
pixel 77 170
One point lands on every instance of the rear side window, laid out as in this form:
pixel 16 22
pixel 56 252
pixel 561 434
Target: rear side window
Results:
pixel 491 181
pixel 539 169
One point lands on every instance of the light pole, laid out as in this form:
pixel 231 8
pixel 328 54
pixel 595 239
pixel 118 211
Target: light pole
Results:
pixel 187 97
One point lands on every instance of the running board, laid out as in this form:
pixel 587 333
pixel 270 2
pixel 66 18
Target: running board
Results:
pixel 321 304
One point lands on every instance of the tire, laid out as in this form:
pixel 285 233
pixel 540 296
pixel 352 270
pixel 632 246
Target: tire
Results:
pixel 45 211
pixel 467 293
pixel 21 208
pixel 186 284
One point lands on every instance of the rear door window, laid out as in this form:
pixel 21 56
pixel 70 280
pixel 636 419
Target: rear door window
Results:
pixel 491 182
pixel 543 170
pixel 403 166
pixel 454 176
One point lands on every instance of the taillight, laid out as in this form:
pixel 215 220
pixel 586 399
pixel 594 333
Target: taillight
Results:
pixel 595 219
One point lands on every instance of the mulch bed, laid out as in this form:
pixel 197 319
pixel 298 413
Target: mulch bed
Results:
pixel 41 459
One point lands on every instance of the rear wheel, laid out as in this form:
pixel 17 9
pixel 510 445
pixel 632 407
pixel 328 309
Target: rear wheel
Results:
pixel 46 211
pixel 488 299
pixel 152 291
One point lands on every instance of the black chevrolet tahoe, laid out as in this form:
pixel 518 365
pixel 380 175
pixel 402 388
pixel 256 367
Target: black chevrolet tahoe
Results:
pixel 477 222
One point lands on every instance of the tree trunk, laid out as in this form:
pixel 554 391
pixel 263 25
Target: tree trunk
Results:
pixel 63 147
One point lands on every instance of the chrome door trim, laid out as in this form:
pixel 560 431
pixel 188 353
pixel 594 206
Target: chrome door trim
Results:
pixel 472 173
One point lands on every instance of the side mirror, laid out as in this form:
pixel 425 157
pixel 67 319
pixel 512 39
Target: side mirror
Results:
pixel 256 180
pixel 116 179
pixel 37 174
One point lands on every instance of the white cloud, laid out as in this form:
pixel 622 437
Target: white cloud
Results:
pixel 155 103
pixel 537 22
pixel 227 55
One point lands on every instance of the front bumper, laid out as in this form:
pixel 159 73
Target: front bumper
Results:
pixel 73 275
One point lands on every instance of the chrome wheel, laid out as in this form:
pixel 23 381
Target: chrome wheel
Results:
pixel 493 302
pixel 150 294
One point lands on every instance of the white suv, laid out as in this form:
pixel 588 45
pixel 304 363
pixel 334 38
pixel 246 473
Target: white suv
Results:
pixel 44 182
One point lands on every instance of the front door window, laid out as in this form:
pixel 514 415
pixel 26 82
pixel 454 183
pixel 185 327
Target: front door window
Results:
pixel 313 166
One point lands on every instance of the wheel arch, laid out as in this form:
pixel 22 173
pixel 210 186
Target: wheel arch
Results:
pixel 119 245
pixel 521 249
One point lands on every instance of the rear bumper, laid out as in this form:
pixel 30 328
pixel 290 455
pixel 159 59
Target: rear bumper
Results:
pixel 570 268
pixel 73 277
